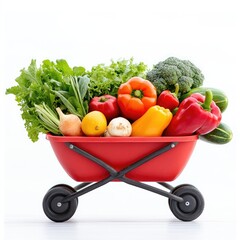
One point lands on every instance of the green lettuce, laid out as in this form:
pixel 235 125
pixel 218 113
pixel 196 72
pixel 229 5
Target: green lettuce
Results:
pixel 106 79
pixel 40 90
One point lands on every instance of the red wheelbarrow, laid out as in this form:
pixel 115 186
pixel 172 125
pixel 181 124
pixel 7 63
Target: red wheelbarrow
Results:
pixel 96 161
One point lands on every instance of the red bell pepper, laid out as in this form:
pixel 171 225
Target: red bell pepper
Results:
pixel 168 99
pixel 106 104
pixel 196 115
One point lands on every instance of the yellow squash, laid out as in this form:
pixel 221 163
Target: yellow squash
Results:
pixel 152 123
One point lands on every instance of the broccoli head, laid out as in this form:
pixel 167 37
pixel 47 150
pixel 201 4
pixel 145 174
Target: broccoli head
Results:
pixel 166 74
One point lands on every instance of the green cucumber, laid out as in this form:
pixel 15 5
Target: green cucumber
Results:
pixel 219 97
pixel 220 135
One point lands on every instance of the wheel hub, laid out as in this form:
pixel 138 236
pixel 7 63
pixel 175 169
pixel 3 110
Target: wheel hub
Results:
pixel 57 206
pixel 189 204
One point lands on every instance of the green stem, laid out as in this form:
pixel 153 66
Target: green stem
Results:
pixel 176 89
pixel 103 99
pixel 137 93
pixel 49 119
pixel 208 100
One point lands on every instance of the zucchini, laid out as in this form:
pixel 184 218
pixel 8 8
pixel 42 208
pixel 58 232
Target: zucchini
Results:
pixel 219 97
pixel 220 135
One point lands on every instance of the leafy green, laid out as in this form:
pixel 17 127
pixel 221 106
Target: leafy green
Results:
pixel 40 91
pixel 73 99
pixel 106 79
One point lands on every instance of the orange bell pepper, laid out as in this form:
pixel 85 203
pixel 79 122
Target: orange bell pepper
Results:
pixel 135 97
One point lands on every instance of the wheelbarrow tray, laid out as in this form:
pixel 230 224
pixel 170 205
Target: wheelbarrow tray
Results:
pixel 119 153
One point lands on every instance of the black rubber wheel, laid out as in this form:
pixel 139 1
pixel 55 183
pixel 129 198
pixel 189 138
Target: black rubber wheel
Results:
pixel 54 209
pixel 63 185
pixel 192 206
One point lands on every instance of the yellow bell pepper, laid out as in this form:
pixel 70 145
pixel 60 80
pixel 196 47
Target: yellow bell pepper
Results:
pixel 152 123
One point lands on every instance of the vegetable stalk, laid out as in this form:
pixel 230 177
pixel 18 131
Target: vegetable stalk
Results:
pixel 208 100
pixel 48 118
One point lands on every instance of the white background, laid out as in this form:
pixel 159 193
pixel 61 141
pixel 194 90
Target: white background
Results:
pixel 91 32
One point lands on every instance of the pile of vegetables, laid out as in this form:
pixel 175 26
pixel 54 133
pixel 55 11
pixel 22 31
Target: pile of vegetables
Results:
pixel 41 90
pixel 122 99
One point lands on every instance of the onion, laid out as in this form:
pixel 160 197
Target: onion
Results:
pixel 70 124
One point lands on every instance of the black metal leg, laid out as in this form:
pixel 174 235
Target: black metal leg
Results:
pixel 91 157
pixel 151 189
pixel 87 189
pixel 82 185
pixel 166 185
